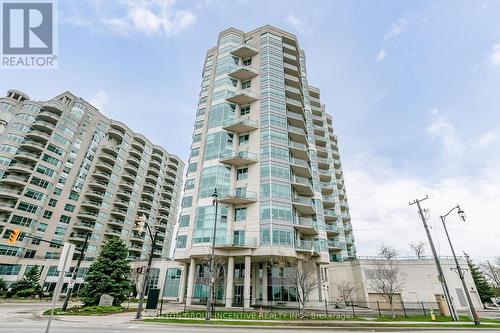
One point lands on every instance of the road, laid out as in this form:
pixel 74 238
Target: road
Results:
pixel 23 318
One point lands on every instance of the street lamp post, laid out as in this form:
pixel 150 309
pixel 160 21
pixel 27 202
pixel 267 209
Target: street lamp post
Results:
pixel 441 277
pixel 461 214
pixel 211 283
pixel 140 222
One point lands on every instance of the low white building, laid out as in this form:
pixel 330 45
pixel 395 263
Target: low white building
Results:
pixel 421 283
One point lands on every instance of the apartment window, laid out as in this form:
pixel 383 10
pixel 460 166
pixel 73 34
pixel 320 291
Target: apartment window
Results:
pixel 244 110
pixel 47 214
pixel 41 227
pixel 197 138
pixel 27 207
pixel 242 174
pixel 181 241
pixel 239 237
pixel 187 201
pixel 240 214
pixel 65 219
pixel 52 160
pixel 192 167
pixel 52 202
pixel 57 191
pixel 29 253
pixel 195 152
pixel 21 220
pixel 45 171
pixel 39 182
pixel 184 221
pixel 247 62
pixel 246 84
pixel 74 196
pixel 69 208
pixel 243 139
pixel 189 184
pixel 34 194
pixel 10 269
pixel 60 231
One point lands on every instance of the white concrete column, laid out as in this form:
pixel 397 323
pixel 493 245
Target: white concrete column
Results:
pixel 264 284
pixel 182 284
pixel 246 283
pixel 229 282
pixel 190 281
pixel 255 283
pixel 320 284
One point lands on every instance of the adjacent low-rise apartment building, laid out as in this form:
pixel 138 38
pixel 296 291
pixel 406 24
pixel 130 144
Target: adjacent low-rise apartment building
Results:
pixel 67 172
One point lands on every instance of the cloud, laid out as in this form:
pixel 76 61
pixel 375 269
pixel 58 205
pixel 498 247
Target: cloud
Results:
pixel 298 23
pixel 443 130
pixel 488 138
pixel 99 100
pixel 495 55
pixel 150 17
pixel 396 29
pixel 379 197
pixel 381 55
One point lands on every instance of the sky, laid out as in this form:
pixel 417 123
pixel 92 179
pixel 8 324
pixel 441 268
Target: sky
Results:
pixel 413 87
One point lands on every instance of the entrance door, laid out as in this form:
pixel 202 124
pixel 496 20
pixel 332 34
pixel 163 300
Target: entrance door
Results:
pixel 238 296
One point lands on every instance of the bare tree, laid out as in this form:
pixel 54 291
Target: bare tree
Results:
pixel 302 274
pixel 418 249
pixel 492 271
pixel 345 289
pixel 219 267
pixel 387 280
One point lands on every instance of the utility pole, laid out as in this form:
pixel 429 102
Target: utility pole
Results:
pixel 441 277
pixel 75 273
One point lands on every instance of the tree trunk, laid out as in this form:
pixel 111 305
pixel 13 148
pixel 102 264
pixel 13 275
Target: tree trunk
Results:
pixel 392 309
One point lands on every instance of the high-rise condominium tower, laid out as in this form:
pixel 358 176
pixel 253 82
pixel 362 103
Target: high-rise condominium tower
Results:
pixel 262 138
pixel 67 171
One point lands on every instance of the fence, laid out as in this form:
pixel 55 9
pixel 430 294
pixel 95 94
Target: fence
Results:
pixel 355 309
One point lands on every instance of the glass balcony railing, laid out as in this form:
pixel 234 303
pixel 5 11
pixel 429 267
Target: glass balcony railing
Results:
pixel 235 241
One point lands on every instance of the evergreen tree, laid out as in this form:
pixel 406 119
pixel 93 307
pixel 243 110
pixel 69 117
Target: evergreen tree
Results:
pixel 29 285
pixel 108 274
pixel 483 288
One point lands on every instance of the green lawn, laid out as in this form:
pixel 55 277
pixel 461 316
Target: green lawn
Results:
pixel 88 311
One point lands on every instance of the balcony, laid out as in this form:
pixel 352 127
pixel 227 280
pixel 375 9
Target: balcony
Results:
pixel 300 167
pixel 324 175
pixel 43 126
pixel 121 203
pixel 238 197
pixel 287 48
pixel 297 134
pixel 292 81
pixel 102 175
pixel 302 185
pixel 9 193
pixel 98 185
pixel 95 194
pixel 113 233
pixel 330 215
pixel 294 105
pixel 105 166
pixel 305 246
pixel 135 248
pixel 77 237
pixel 324 163
pixel 7 206
pixel 20 168
pixel 14 180
pixel 321 152
pixel 240 125
pixel 32 146
pixel 243 97
pixel 26 157
pixel 332 229
pixel 86 215
pixel 315 101
pixel 48 116
pixel 114 133
pixel 243 73
pixel 112 150
pixel 293 92
pixel 328 201
pixel 291 59
pixel 296 119
pixel 349 240
pixel 291 69
pixel 326 188
pixel 235 242
pixel 334 245
pixel 54 106
pixel 91 204
pixel 305 206
pixel 244 51
pixel 107 158
pixel 87 226
pixel 119 212
pixel 239 158
pixel 38 135
pixel 298 149
pixel 118 223
pixel 304 225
